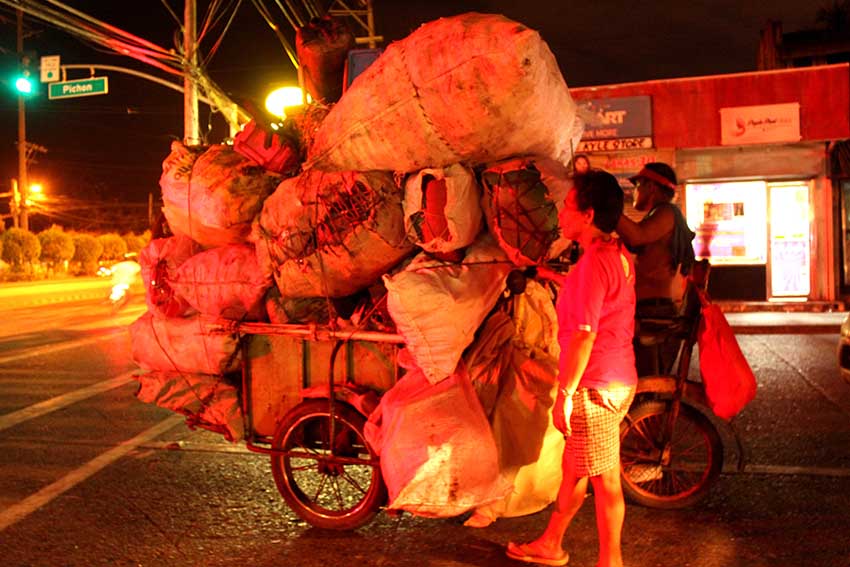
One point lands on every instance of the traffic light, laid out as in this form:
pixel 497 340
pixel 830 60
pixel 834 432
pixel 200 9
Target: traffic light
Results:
pixel 24 80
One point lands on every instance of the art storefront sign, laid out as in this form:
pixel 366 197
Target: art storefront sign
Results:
pixel 616 124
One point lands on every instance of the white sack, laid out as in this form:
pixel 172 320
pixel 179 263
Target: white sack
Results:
pixel 470 88
pixel 437 306
pixel 438 457
pixel 212 194
pixel 331 234
pixel 530 447
pixel 193 344
pixel 521 202
pixel 452 226
pixel 208 402
pixel 224 282
pixel 160 260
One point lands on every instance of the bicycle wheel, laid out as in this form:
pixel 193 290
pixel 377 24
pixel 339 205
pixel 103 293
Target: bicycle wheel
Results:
pixel 673 474
pixel 340 489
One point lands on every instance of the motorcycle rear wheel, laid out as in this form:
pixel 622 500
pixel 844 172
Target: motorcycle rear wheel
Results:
pixel 668 474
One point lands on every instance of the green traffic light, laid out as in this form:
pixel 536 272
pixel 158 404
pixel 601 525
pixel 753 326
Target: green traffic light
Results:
pixel 23 85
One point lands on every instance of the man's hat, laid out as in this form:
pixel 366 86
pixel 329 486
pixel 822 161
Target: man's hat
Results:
pixel 659 172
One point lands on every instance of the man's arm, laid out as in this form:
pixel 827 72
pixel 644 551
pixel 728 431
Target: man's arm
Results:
pixel 651 228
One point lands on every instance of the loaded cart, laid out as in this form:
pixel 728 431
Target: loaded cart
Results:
pixel 431 182
pixel 312 426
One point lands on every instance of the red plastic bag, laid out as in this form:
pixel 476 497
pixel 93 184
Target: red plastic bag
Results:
pixel 729 381
pixel 271 151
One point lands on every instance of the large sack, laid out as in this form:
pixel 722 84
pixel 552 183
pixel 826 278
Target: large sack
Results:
pixel 472 88
pixel 522 198
pixel 331 234
pixel 438 306
pixel 211 194
pixel 442 209
pixel 438 457
pixel 224 282
pixel 194 344
pixel 322 47
pixel 160 260
pixel 208 402
pixel 530 447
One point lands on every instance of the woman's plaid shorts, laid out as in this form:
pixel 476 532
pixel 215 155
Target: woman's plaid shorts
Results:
pixel 594 446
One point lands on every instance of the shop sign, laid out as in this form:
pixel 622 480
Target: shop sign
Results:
pixel 618 145
pixel 768 123
pixel 613 124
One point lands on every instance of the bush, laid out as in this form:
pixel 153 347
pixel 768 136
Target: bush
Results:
pixel 114 247
pixel 87 249
pixel 134 242
pixel 57 246
pixel 20 249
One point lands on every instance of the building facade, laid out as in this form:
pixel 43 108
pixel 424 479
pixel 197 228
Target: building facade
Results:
pixel 755 154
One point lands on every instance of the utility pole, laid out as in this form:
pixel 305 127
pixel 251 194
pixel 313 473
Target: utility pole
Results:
pixel 190 85
pixel 23 182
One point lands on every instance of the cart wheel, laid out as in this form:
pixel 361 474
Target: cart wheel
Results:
pixel 673 474
pixel 339 490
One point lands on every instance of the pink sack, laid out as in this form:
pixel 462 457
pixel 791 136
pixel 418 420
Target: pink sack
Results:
pixel 729 381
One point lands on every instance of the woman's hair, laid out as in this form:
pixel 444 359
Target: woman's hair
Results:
pixel 600 191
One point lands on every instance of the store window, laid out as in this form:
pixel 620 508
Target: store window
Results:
pixel 730 221
pixel 790 252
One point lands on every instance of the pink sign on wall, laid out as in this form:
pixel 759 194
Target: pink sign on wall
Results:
pixel 760 124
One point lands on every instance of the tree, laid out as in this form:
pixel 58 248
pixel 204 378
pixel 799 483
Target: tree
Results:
pixel 20 248
pixel 134 242
pixel 114 247
pixel 87 249
pixel 57 246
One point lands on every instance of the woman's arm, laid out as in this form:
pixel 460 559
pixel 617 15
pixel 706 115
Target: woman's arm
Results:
pixel 575 354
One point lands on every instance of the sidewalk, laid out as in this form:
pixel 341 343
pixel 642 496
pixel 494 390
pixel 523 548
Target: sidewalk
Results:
pixel 785 323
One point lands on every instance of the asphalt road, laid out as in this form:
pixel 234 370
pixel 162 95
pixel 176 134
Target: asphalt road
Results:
pixel 90 476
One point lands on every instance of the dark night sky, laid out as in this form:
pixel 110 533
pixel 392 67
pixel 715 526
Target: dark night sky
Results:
pixel 111 147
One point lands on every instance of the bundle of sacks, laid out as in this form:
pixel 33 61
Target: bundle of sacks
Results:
pixel 439 172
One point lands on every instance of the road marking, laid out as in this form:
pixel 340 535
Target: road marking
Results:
pixel 59 402
pixel 50 349
pixel 32 503
pixel 790 470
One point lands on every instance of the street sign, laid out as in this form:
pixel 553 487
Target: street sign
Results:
pixel 49 68
pixel 82 87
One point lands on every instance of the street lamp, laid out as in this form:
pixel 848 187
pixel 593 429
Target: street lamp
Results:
pixel 285 97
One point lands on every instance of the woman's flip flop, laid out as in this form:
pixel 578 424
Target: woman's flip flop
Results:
pixel 523 552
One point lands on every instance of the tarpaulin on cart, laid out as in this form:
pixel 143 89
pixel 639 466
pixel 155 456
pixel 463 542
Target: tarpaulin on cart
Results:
pixel 208 402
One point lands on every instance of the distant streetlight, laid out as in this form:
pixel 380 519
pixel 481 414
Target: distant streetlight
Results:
pixel 285 97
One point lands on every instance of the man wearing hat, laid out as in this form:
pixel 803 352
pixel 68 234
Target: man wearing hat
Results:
pixel 661 242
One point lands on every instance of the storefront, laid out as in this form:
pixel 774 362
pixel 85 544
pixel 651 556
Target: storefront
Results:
pixel 751 152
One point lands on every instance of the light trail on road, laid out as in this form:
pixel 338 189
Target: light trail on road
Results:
pixel 50 349
pixel 59 402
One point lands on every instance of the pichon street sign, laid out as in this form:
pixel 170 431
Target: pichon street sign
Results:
pixel 82 87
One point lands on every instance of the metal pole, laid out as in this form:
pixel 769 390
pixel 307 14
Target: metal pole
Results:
pixel 23 182
pixel 191 128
